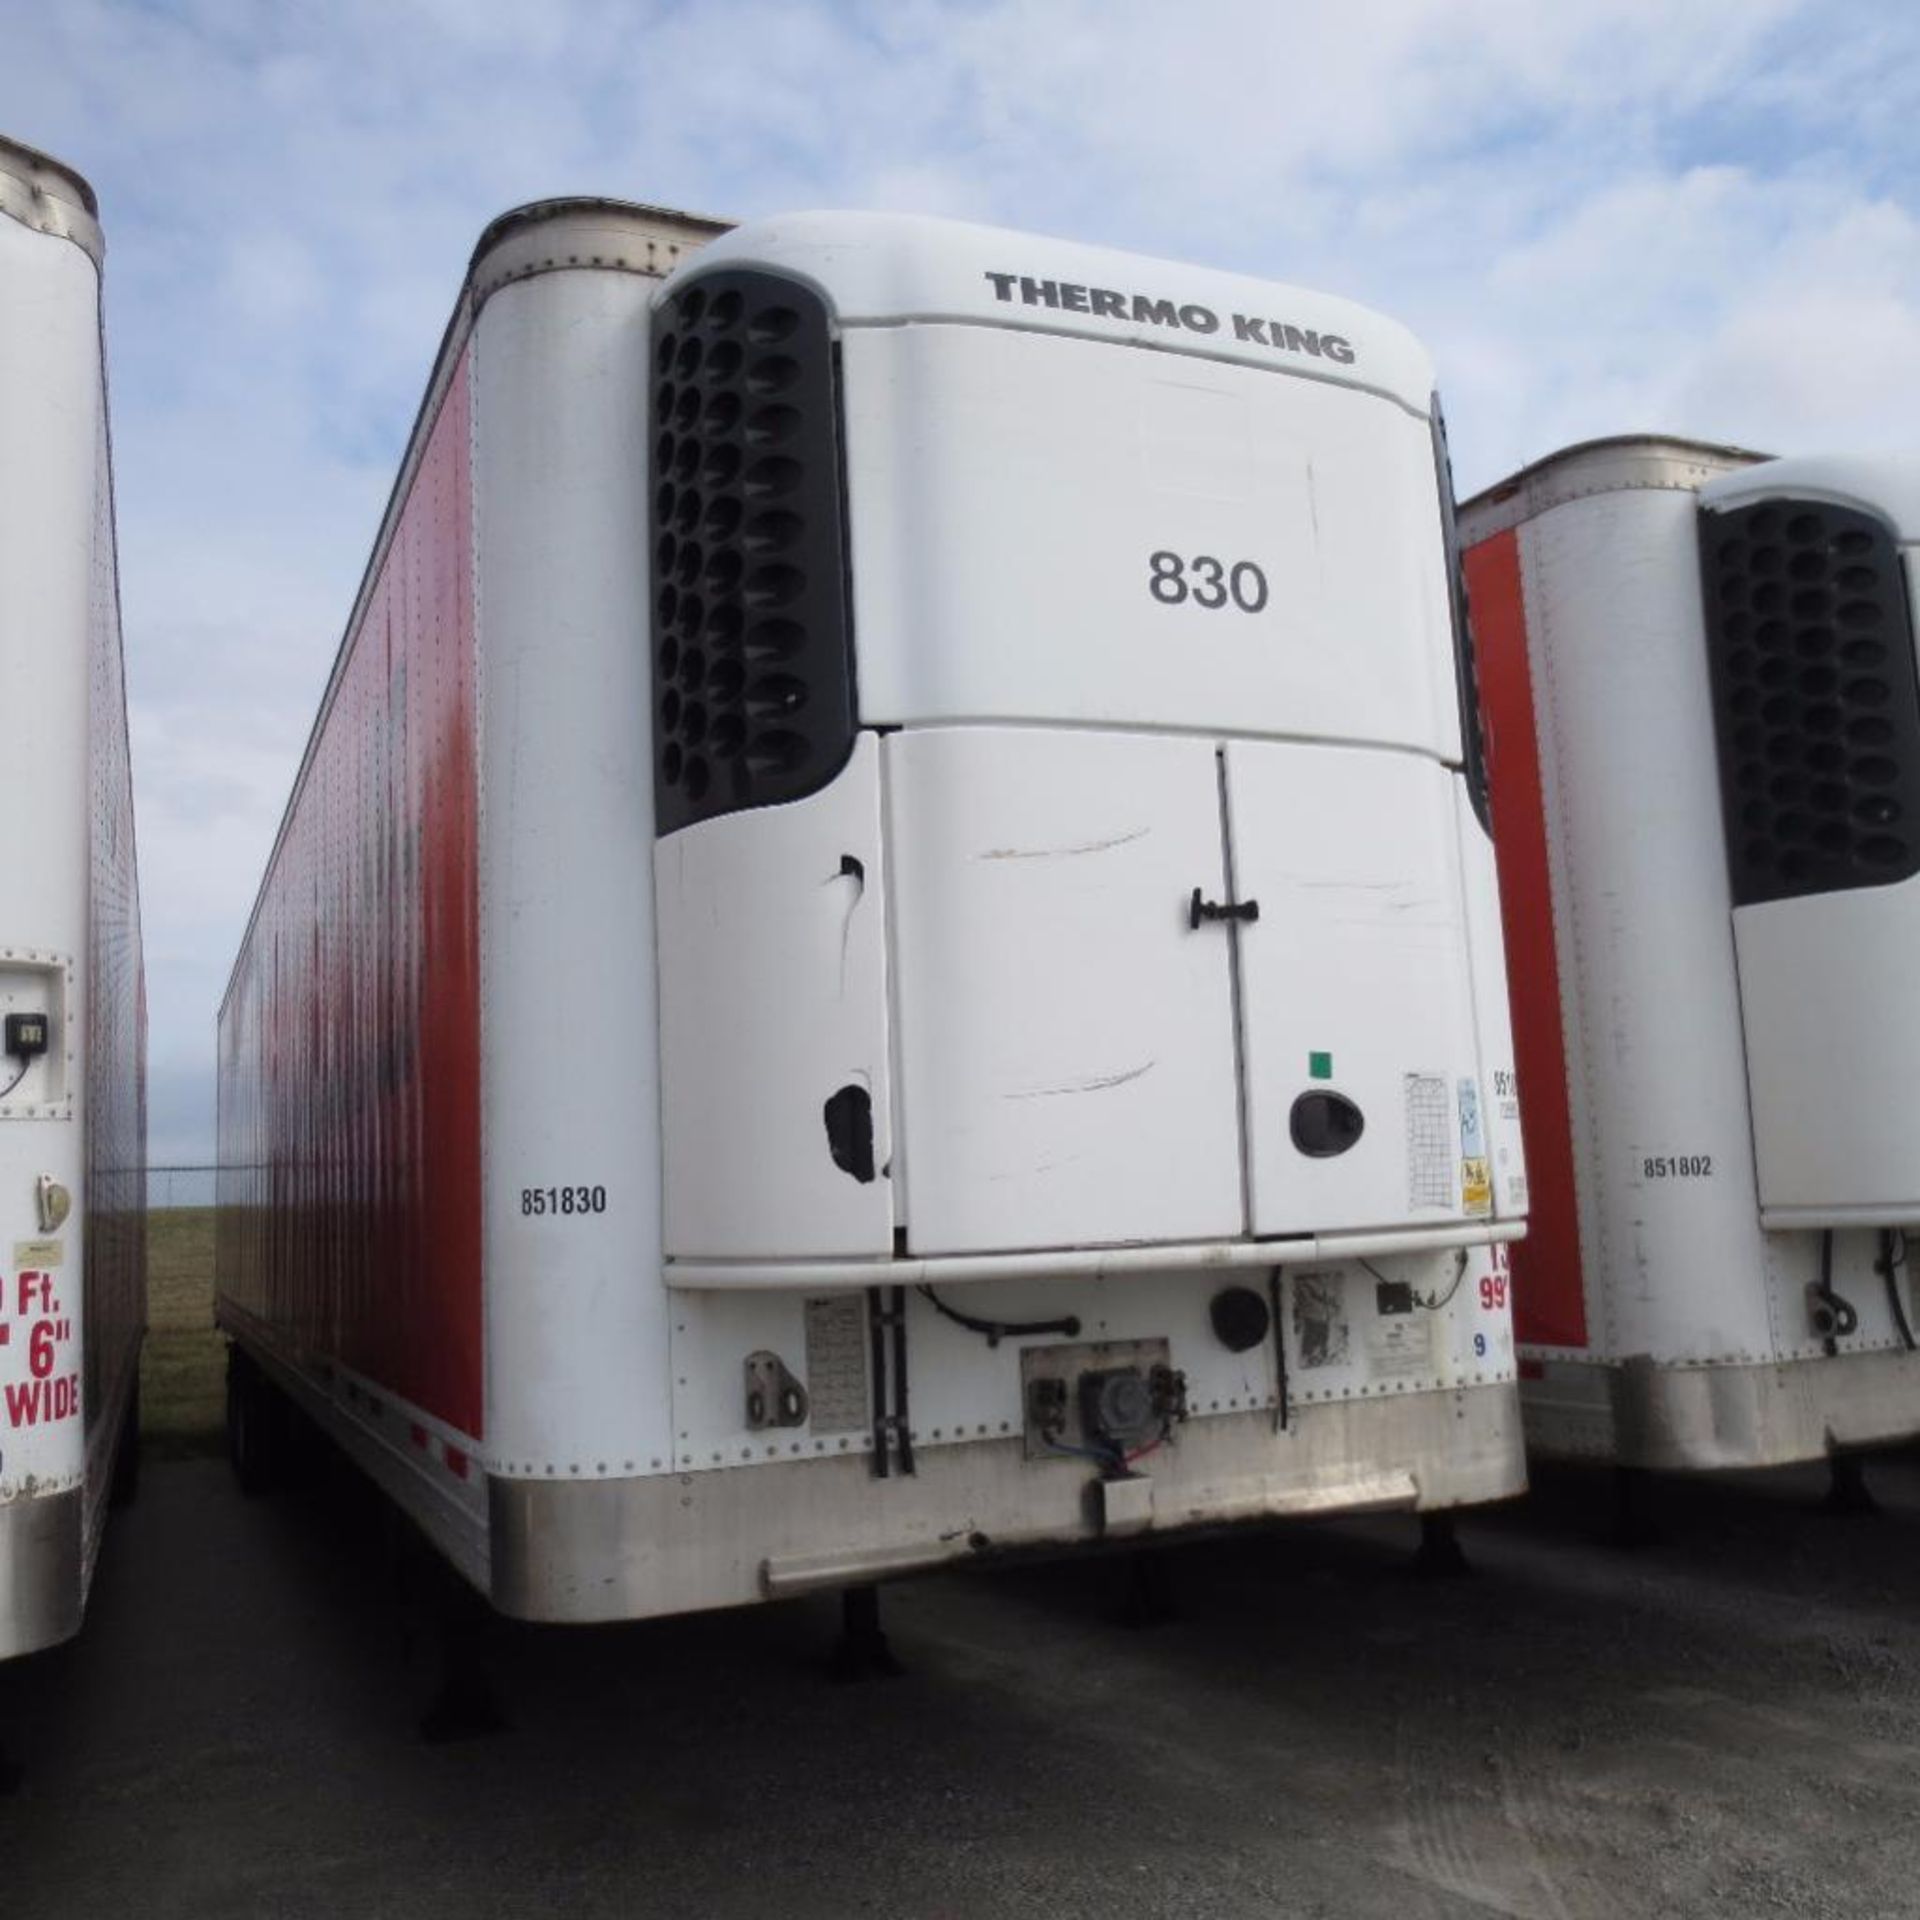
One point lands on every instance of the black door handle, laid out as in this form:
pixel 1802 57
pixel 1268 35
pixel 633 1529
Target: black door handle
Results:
pixel 1199 910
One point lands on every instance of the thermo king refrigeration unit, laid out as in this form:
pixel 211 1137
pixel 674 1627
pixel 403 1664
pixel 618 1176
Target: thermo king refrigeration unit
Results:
pixel 884 948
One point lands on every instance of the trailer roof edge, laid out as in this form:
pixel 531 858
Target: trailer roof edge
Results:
pixel 50 197
pixel 1619 463
pixel 582 230
pixel 575 234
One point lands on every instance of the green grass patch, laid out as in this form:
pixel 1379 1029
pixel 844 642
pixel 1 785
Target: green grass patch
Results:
pixel 183 1367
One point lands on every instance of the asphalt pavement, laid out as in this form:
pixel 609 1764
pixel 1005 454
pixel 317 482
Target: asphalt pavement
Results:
pixel 1724 1723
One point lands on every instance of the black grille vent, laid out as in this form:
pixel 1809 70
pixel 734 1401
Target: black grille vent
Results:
pixel 752 643
pixel 1815 698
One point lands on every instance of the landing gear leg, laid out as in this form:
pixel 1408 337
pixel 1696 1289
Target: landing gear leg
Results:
pixel 1440 1555
pixel 256 1425
pixel 1150 1599
pixel 1634 1526
pixel 466 1706
pixel 1847 1491
pixel 125 1486
pixel 863 1652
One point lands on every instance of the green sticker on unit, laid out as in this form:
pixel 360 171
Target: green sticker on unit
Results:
pixel 1320 1066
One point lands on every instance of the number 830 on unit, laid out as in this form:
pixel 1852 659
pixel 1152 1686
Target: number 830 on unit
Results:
pixel 1204 581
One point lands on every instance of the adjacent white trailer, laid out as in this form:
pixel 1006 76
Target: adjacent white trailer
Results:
pixel 883 950
pixel 1703 723
pixel 72 1009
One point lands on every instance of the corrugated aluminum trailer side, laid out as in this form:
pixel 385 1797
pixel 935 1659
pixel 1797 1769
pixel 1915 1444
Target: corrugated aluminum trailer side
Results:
pixel 72 1007
pixel 1698 670
pixel 357 1211
pixel 753 1067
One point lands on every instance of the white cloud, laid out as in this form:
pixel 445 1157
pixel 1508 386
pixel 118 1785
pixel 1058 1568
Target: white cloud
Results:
pixel 1602 214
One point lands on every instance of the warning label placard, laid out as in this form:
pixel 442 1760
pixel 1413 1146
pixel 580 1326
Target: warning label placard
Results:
pixel 837 1363
pixel 1476 1171
pixel 1400 1346
pixel 1321 1335
pixel 1430 1151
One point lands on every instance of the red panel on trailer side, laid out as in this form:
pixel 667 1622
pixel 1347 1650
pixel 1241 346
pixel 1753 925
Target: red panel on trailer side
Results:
pixel 1549 1292
pixel 350 1096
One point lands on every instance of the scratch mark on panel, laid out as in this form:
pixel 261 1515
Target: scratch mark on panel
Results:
pixel 1097 1083
pixel 1064 853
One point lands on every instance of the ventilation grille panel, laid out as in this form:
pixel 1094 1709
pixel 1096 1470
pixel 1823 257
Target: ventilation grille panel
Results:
pixel 752 648
pixel 1815 697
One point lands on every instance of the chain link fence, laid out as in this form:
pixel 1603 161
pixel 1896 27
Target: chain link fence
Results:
pixel 170 1187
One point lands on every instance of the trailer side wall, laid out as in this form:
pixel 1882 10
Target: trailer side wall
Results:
pixel 72 1120
pixel 350 1068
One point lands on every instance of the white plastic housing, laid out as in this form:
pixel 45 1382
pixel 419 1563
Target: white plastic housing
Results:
pixel 1826 991
pixel 1008 488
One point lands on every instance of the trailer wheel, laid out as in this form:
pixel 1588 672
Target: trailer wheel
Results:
pixel 125 1486
pixel 253 1426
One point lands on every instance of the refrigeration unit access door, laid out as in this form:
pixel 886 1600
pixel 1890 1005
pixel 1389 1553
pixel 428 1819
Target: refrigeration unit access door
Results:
pixel 1065 1044
pixel 1154 988
pixel 1356 1011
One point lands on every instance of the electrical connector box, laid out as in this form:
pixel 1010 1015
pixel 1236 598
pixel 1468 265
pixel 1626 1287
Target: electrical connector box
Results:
pixel 36 1061
pixel 1077 1395
pixel 26 1036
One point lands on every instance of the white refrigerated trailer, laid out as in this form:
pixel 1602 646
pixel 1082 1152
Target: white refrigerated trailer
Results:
pixel 882 951
pixel 72 1011
pixel 1703 725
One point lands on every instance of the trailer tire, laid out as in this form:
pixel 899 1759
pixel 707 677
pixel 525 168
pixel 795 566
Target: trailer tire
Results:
pixel 254 1426
pixel 125 1486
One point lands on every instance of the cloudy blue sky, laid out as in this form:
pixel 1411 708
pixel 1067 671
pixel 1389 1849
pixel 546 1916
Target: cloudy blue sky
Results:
pixel 1674 214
